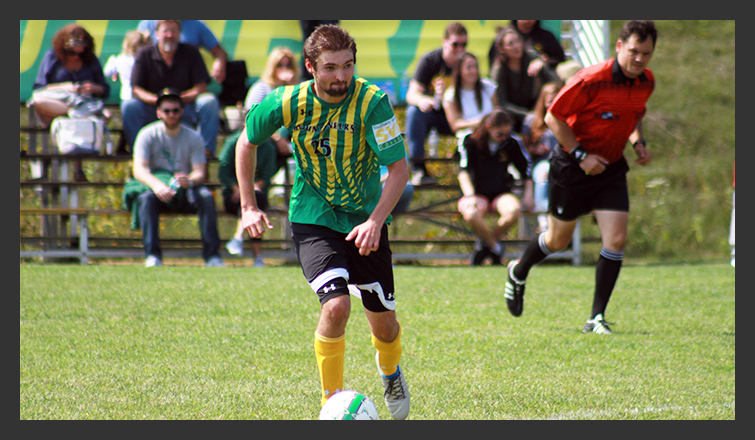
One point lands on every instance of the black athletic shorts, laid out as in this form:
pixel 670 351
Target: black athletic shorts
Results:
pixel 325 255
pixel 572 193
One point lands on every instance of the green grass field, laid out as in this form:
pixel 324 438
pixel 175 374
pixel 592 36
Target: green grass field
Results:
pixel 185 342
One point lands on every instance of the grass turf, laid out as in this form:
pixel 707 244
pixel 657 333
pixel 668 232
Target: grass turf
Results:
pixel 178 342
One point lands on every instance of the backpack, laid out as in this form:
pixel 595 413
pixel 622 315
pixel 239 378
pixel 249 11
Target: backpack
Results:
pixel 78 135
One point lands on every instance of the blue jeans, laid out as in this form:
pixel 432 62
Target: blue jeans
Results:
pixel 202 114
pixel 201 201
pixel 418 125
pixel 540 179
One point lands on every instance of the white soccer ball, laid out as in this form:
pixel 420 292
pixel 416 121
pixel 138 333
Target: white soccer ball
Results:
pixel 349 405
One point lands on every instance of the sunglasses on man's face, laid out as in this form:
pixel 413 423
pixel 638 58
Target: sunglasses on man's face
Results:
pixel 457 44
pixel 73 53
pixel 172 111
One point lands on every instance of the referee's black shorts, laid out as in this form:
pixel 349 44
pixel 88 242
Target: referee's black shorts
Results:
pixel 572 193
pixel 325 255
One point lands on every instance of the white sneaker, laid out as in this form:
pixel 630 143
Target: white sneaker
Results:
pixel 396 394
pixel 214 262
pixel 597 325
pixel 153 261
pixel 235 246
pixel 258 262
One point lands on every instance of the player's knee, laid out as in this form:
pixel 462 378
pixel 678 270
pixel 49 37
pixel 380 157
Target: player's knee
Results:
pixel 332 289
pixel 615 242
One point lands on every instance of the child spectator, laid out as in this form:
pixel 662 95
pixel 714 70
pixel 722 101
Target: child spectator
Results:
pixel 118 67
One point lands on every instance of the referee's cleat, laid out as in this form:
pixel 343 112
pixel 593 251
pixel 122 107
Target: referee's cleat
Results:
pixel 597 325
pixel 396 394
pixel 514 291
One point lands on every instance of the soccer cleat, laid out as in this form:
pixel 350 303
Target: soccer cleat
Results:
pixel 514 291
pixel 235 247
pixel 214 262
pixel 396 392
pixel 153 261
pixel 597 325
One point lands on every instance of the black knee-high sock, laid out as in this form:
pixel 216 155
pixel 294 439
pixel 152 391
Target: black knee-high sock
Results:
pixel 534 253
pixel 606 273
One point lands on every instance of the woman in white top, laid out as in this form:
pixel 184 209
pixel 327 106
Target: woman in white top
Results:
pixel 281 70
pixel 469 99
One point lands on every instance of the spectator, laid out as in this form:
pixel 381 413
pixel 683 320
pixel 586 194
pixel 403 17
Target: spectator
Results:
pixel 519 74
pixel 307 27
pixel 197 33
pixel 266 168
pixel 541 142
pixel 70 81
pixel 424 98
pixel 485 181
pixel 169 163
pixel 280 70
pixel 171 64
pixel 118 68
pixel 469 99
pixel 541 40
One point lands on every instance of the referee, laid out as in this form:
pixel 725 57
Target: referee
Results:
pixel 343 130
pixel 593 117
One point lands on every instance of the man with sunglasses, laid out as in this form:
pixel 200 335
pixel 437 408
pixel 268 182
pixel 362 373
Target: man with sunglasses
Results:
pixel 169 160
pixel 424 97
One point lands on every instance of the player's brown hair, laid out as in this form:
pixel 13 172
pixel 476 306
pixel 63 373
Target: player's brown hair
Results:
pixel 328 38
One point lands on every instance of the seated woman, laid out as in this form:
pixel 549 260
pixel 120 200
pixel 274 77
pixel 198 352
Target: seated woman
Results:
pixel 470 97
pixel 541 142
pixel 70 80
pixel 486 183
pixel 519 74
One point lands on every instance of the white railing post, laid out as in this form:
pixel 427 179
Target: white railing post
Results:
pixel 587 41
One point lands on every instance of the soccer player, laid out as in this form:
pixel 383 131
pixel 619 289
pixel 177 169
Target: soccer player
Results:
pixel 593 117
pixel 343 129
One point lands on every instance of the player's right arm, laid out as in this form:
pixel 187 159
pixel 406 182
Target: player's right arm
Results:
pixel 253 219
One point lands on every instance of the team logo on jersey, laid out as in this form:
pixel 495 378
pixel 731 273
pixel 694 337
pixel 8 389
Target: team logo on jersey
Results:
pixel 387 134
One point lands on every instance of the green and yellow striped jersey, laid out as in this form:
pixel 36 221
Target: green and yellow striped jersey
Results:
pixel 338 149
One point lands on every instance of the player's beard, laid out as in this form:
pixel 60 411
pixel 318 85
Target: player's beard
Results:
pixel 337 89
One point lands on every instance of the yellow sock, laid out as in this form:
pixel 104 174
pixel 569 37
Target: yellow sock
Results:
pixel 389 354
pixel 330 354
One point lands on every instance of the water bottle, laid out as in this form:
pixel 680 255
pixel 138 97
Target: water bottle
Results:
pixel 432 141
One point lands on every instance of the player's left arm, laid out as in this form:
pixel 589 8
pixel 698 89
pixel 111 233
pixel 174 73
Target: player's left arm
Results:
pixel 366 235
pixel 640 146
pixel 384 137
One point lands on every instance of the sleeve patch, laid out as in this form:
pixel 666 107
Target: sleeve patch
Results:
pixel 387 134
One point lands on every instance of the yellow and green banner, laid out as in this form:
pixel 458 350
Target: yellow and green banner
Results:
pixel 387 50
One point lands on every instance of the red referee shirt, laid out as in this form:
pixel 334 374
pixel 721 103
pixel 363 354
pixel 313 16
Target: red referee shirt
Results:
pixel 602 107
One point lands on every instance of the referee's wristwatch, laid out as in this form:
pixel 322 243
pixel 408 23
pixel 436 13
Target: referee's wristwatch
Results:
pixel 578 153
pixel 641 141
